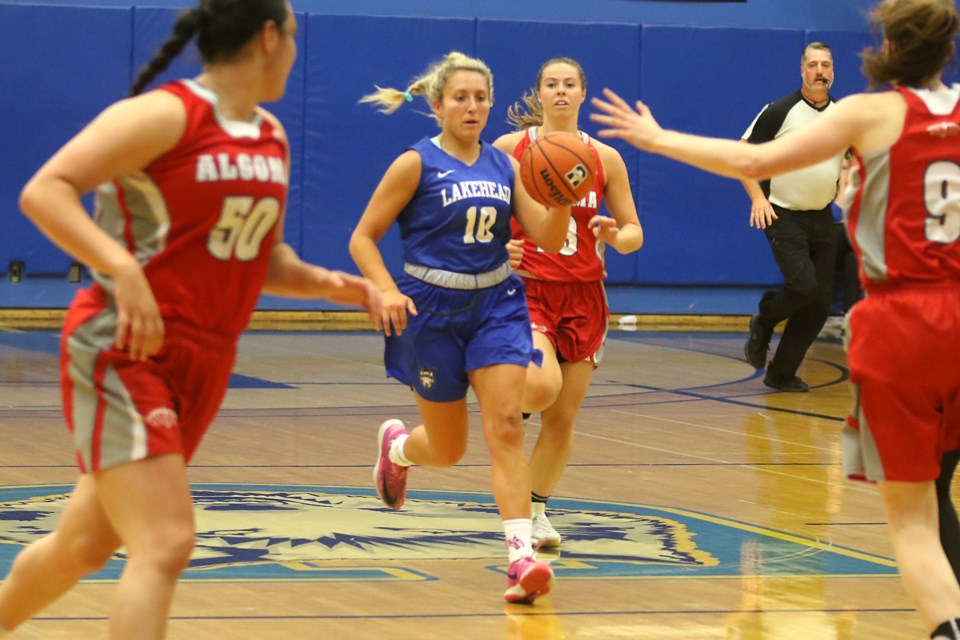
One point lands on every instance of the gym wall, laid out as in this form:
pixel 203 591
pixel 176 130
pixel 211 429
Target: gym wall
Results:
pixel 64 63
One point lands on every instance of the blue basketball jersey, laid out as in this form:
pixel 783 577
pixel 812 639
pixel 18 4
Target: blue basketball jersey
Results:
pixel 459 218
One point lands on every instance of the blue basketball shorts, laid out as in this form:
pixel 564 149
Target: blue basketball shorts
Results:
pixel 458 331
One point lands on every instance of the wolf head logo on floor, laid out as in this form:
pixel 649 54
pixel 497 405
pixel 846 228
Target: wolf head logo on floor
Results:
pixel 254 528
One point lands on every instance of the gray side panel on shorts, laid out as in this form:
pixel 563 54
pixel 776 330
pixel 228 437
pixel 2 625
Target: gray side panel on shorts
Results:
pixel 859 450
pixel 123 435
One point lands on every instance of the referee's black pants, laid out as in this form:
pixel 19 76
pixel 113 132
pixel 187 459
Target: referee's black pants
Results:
pixel 804 247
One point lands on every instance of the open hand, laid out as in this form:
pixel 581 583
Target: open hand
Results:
pixel 346 288
pixel 638 127
pixel 393 318
pixel 604 228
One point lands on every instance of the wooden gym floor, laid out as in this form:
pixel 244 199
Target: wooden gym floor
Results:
pixel 698 504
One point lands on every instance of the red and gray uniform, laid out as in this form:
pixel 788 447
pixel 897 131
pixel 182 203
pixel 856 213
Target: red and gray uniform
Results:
pixel 565 290
pixel 201 219
pixel 582 257
pixel 903 218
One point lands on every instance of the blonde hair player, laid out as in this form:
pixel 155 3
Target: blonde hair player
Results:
pixel 903 218
pixel 457 316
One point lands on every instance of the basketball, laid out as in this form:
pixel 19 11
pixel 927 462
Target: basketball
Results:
pixel 558 169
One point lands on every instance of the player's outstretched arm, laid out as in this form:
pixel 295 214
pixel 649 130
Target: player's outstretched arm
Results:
pixel 291 277
pixel 639 128
pixel 856 121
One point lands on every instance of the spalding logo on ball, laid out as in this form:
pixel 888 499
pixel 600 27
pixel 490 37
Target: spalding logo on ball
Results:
pixel 558 169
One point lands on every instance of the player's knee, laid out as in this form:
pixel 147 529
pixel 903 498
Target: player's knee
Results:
pixel 444 459
pixel 449 455
pixel 85 553
pixel 540 392
pixel 180 548
pixel 168 554
pixel 538 398
pixel 505 432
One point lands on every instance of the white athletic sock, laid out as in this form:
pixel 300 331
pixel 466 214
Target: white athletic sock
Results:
pixel 537 508
pixel 396 452
pixel 517 534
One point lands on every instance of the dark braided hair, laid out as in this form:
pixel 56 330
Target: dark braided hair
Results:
pixel 222 28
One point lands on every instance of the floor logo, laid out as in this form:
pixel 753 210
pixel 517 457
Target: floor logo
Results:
pixel 271 532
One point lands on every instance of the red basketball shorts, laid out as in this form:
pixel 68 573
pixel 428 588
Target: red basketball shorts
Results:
pixel 573 316
pixel 120 410
pixel 904 357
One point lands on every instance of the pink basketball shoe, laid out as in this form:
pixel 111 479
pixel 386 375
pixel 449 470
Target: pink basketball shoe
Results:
pixel 527 580
pixel 391 479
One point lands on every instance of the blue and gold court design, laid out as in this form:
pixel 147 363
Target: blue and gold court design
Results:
pixel 273 532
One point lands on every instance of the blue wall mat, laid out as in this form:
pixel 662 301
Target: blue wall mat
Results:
pixel 808 14
pixel 152 26
pixel 609 54
pixel 49 89
pixel 705 68
pixel 348 146
pixel 291 110
pixel 836 14
pixel 707 81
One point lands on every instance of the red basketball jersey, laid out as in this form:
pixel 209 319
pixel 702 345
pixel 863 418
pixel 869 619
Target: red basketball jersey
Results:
pixel 904 217
pixel 202 217
pixel 582 258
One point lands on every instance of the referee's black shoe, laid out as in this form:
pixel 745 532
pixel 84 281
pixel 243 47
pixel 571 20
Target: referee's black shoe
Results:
pixel 758 343
pixel 792 384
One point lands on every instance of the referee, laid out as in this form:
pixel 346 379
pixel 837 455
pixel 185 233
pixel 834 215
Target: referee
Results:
pixel 794 211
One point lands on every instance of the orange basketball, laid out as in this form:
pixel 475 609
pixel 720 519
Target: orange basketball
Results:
pixel 558 169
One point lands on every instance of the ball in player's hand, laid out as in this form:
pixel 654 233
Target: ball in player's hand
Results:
pixel 558 169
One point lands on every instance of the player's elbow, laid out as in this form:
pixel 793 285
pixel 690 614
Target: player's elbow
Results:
pixel 30 199
pixel 751 168
pixel 45 196
pixel 633 235
pixel 356 240
pixel 753 162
